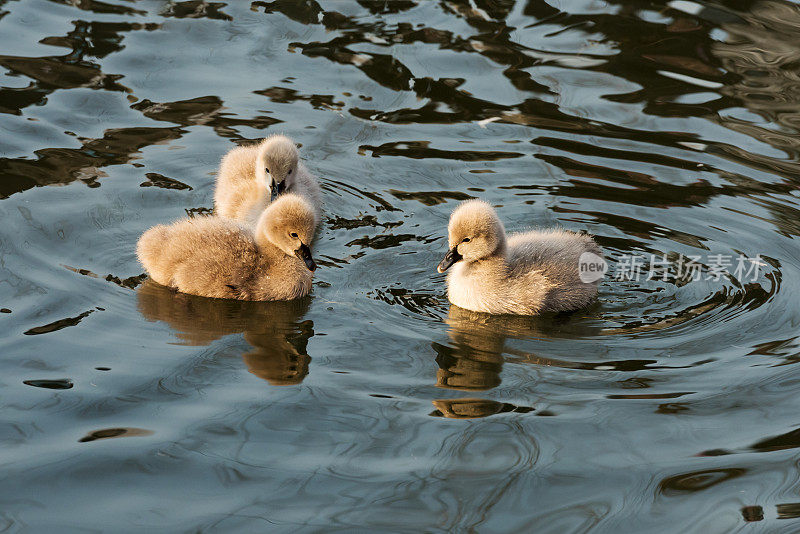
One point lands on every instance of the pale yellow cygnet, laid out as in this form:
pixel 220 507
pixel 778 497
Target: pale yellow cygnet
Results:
pixel 221 258
pixel 250 177
pixel 522 274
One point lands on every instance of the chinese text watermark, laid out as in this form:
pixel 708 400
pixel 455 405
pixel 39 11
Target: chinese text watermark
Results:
pixel 713 267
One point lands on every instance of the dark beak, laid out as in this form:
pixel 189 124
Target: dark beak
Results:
pixel 277 189
pixel 304 253
pixel 450 258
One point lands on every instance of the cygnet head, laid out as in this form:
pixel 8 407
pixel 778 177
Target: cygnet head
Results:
pixel 474 233
pixel 276 164
pixel 288 223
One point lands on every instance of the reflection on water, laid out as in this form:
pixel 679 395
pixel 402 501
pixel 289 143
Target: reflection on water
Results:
pixel 275 330
pixel 474 357
pixel 470 408
pixel 108 433
pixel 697 481
pixel 666 129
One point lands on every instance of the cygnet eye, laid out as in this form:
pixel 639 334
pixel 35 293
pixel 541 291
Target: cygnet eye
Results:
pixel 465 240
pixel 293 234
pixel 290 172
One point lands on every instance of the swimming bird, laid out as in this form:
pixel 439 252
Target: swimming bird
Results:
pixel 221 258
pixel 250 177
pixel 522 274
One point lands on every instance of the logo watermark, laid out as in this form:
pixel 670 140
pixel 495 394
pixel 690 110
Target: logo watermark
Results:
pixel 591 267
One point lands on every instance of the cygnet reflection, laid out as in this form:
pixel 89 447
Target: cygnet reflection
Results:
pixel 473 360
pixel 473 408
pixel 275 330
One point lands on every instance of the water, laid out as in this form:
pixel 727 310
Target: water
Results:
pixel 667 129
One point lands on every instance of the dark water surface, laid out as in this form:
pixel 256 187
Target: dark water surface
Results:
pixel 664 128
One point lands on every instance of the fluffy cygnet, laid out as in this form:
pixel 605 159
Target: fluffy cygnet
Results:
pixel 217 257
pixel 525 274
pixel 250 177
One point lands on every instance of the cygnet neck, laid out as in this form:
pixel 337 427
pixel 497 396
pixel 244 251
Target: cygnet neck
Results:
pixel 261 234
pixel 494 259
pixel 502 246
pixel 500 252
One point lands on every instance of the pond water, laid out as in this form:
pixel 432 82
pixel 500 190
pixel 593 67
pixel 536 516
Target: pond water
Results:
pixel 667 129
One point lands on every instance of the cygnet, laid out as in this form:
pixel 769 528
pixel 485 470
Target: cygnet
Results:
pixel 522 274
pixel 250 177
pixel 221 258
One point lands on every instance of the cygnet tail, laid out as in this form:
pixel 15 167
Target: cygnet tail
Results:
pixel 151 252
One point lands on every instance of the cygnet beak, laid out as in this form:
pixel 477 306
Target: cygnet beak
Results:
pixel 450 258
pixel 277 188
pixel 304 253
